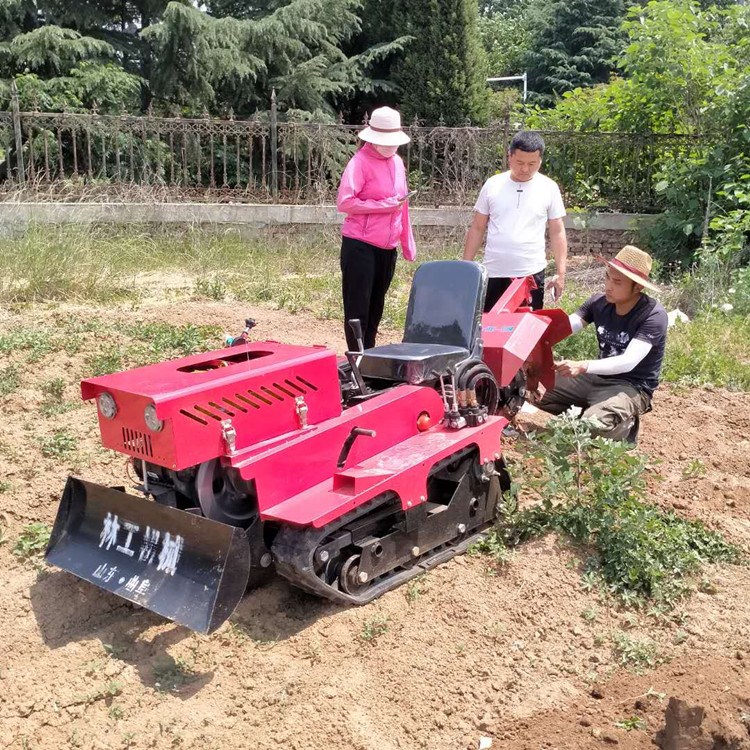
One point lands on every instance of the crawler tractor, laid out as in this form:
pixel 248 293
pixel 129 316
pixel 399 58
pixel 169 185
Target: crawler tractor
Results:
pixel 346 476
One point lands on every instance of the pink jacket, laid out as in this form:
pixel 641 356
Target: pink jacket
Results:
pixel 368 194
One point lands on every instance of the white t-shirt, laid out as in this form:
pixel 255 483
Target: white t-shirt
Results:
pixel 519 212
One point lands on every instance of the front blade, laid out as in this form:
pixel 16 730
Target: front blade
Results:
pixel 182 566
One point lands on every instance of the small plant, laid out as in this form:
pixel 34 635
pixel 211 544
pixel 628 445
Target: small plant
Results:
pixel 373 628
pixel 638 654
pixel 415 588
pixel 33 541
pixel 58 445
pixel 680 637
pixel 212 287
pixel 634 722
pixel 116 713
pixel 9 380
pixel 5 486
pixel 696 468
pixel 113 651
pixel 171 674
pixel 590 614
pixel 53 403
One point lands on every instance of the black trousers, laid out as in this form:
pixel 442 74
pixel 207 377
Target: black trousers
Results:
pixel 366 274
pixel 496 287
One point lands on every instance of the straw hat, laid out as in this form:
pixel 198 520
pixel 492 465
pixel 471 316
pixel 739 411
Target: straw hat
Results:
pixel 384 128
pixel 635 264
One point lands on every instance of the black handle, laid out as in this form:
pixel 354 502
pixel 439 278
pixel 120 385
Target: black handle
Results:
pixel 356 325
pixel 349 442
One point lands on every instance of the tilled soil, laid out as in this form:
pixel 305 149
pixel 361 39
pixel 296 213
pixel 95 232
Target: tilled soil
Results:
pixel 520 655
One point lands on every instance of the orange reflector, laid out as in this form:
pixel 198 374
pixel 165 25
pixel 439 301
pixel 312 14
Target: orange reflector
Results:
pixel 424 422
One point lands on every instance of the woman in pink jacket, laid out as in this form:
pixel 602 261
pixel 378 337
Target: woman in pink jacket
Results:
pixel 373 195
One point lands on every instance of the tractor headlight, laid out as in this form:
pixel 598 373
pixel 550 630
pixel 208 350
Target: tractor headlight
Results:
pixel 152 421
pixel 107 405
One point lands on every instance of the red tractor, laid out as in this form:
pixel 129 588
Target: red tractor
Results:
pixel 348 477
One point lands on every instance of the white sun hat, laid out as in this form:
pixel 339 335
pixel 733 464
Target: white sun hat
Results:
pixel 384 128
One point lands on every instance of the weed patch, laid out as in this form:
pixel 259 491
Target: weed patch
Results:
pixel 107 361
pixel 592 490
pixel 33 541
pixel 713 349
pixel 635 653
pixel 9 380
pixel 373 628
pixel 157 342
pixel 53 402
pixel 60 444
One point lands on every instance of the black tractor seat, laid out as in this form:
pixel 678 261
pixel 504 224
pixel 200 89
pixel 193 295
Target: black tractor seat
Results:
pixel 443 324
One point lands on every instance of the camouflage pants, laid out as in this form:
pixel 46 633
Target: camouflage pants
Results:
pixel 615 403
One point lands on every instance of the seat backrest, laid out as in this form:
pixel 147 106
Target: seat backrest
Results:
pixel 446 303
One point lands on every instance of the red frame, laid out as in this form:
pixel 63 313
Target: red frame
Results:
pixel 291 454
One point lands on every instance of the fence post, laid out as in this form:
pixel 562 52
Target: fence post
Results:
pixel 18 133
pixel 274 146
pixel 506 139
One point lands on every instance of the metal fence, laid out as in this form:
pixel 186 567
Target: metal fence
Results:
pixel 64 156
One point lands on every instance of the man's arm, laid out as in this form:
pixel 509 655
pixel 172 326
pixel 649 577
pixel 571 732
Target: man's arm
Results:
pixel 625 362
pixel 475 235
pixel 558 242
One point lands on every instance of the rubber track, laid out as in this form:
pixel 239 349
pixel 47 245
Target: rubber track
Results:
pixel 294 551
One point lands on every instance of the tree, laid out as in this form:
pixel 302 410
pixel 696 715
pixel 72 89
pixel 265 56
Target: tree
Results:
pixel 442 76
pixel 684 70
pixel 576 43
pixel 186 56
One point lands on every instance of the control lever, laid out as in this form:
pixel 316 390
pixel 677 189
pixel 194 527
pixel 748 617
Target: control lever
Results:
pixel 356 325
pixel 354 358
pixel 349 442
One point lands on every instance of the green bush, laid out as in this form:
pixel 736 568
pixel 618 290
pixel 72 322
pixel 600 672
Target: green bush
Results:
pixel 593 491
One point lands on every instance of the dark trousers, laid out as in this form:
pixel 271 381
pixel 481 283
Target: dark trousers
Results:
pixel 366 274
pixel 496 287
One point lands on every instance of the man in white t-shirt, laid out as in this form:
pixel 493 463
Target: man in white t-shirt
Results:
pixel 515 209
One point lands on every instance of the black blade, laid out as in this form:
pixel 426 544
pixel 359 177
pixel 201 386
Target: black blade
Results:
pixel 180 565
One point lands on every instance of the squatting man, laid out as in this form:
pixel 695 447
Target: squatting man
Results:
pixel 631 329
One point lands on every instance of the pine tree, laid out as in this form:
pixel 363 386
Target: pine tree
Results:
pixel 190 57
pixel 442 76
pixel 576 44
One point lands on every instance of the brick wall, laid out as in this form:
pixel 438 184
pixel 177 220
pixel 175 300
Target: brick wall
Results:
pixel 595 242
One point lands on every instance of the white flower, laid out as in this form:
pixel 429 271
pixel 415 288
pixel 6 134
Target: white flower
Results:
pixel 731 290
pixel 574 411
pixel 726 307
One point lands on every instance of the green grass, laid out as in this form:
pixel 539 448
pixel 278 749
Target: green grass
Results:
pixel 712 349
pixel 292 270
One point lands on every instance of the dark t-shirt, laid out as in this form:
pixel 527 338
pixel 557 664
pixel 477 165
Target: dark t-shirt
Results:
pixel 647 321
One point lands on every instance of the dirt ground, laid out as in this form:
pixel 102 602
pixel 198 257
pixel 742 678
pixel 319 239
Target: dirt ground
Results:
pixel 519 657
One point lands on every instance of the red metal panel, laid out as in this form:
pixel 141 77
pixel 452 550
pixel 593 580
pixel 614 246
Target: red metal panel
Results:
pixel 509 339
pixel 402 468
pixel 295 462
pixel 255 386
